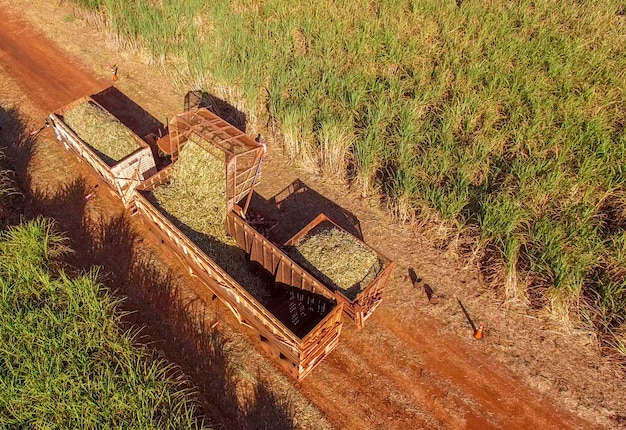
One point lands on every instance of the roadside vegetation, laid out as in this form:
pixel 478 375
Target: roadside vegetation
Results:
pixel 9 193
pixel 64 363
pixel 6 191
pixel 500 122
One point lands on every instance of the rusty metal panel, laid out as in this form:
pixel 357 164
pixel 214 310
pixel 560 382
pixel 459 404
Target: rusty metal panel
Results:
pixel 273 259
pixel 291 274
pixel 263 252
pixel 239 231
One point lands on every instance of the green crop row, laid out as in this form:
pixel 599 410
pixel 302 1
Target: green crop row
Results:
pixel 64 363
pixel 505 118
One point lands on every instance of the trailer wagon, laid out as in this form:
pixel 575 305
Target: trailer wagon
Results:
pixel 112 150
pixel 297 319
pixel 359 282
pixel 362 296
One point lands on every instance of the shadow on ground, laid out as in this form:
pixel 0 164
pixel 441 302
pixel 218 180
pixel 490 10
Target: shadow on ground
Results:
pixel 295 207
pixel 129 113
pixel 11 134
pixel 201 99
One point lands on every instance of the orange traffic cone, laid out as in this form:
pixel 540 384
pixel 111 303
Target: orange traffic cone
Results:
pixel 114 72
pixel 478 334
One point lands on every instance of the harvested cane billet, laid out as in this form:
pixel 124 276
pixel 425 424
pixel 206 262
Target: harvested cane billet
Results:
pixel 195 201
pixel 101 131
pixel 337 258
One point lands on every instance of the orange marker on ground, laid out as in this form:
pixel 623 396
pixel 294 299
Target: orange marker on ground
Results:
pixel 114 72
pixel 478 334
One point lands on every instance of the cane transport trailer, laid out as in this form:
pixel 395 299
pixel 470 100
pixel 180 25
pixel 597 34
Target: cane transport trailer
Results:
pixel 113 151
pixel 297 320
pixel 366 289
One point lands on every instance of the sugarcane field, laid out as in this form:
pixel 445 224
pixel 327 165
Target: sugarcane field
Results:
pixel 271 215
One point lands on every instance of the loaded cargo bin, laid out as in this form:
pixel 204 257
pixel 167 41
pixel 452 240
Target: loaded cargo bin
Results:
pixel 186 206
pixel 116 154
pixel 354 271
pixel 366 274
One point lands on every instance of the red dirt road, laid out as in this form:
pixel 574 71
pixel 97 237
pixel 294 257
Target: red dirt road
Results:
pixel 397 373
pixel 50 77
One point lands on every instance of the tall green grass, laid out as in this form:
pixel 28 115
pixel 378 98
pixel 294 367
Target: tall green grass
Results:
pixel 503 117
pixel 64 363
